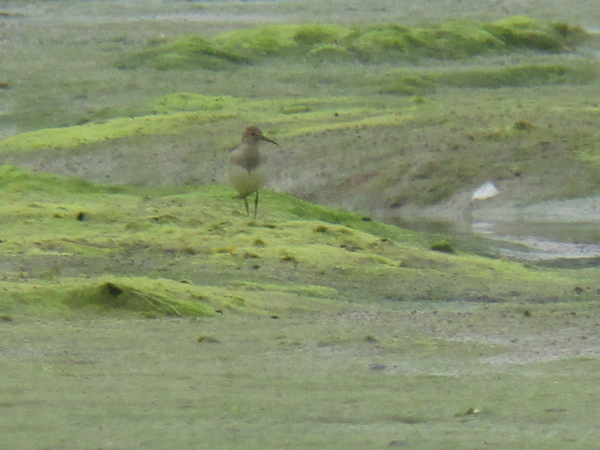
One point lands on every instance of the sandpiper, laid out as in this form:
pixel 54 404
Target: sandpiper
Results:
pixel 246 171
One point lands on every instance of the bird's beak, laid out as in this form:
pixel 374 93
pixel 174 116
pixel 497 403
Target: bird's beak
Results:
pixel 268 140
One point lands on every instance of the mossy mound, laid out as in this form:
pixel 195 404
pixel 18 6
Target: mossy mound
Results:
pixel 403 82
pixel 150 297
pixel 525 32
pixel 140 296
pixel 450 41
pixel 331 53
pixel 419 82
pixel 376 43
pixel 279 40
pixel 187 52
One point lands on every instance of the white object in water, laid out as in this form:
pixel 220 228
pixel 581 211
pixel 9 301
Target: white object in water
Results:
pixel 486 190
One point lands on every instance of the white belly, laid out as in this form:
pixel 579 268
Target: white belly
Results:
pixel 246 182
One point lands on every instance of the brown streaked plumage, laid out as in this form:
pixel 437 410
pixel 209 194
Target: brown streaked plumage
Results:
pixel 245 170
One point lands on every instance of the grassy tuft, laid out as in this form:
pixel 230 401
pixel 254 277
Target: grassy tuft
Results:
pixel 154 297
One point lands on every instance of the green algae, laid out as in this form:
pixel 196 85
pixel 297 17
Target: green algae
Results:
pixel 420 82
pixel 14 180
pixel 449 41
pixel 525 32
pixel 394 373
pixel 143 297
pixel 402 82
pixel 277 40
pixel 70 137
pixel 472 152
pixel 374 43
pixel 182 252
pixel 159 297
pixel 176 114
pixel 308 211
pixel 579 72
pixel 331 53
pixel 186 52
pixel 133 295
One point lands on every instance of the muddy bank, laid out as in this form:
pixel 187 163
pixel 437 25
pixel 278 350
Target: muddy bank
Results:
pixel 566 231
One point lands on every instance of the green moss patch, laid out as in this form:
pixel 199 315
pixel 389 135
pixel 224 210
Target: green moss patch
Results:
pixel 449 41
pixel 80 135
pixel 419 82
pixel 182 252
pixel 525 32
pixel 109 295
pixel 14 180
pixel 375 43
pixel 279 40
pixel 186 52
pixel 179 113
pixel 160 297
pixel 395 165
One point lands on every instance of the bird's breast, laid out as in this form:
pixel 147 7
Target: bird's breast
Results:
pixel 245 181
pixel 248 158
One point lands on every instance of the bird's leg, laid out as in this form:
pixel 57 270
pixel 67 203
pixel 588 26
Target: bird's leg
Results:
pixel 255 204
pixel 247 207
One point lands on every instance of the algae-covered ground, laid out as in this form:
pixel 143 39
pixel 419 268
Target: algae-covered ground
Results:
pixel 69 246
pixel 374 117
pixel 141 308
pixel 155 317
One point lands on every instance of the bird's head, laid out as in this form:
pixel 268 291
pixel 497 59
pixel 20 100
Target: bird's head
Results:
pixel 253 134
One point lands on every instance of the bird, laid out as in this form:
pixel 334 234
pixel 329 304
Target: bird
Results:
pixel 246 170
